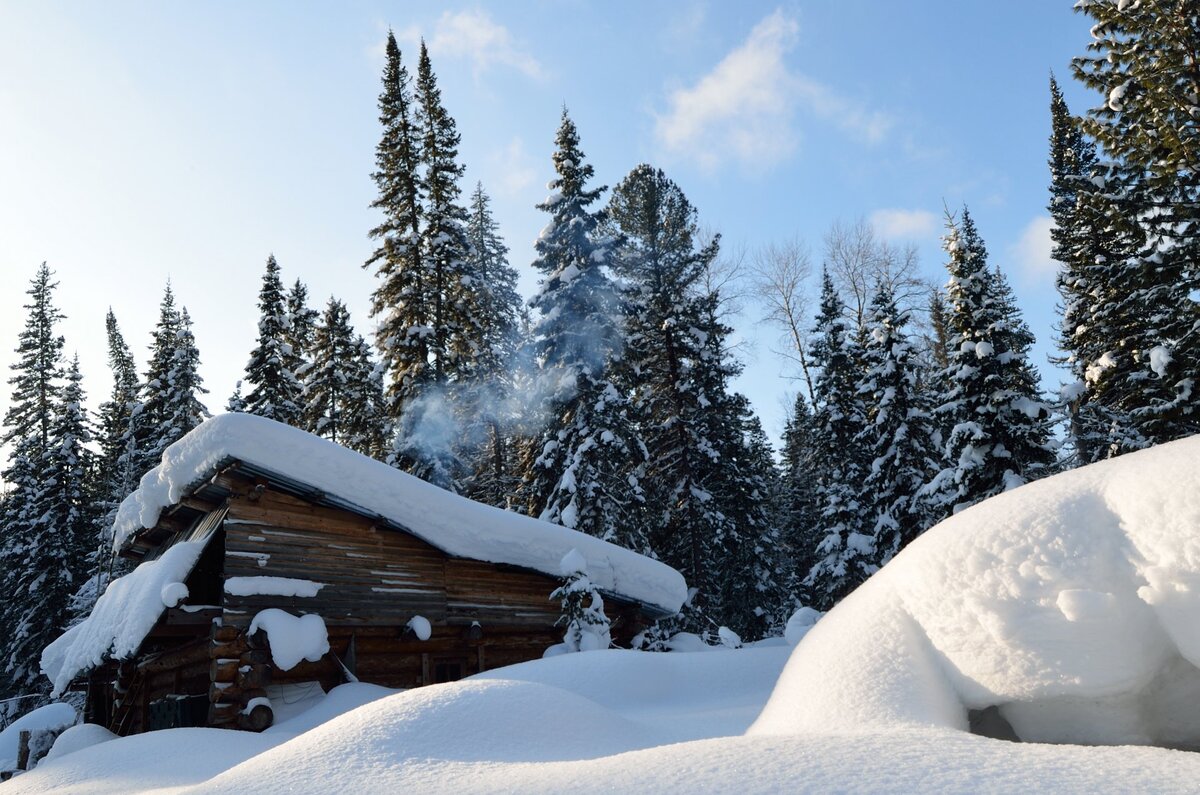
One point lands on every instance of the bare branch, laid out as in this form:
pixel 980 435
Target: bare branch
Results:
pixel 780 273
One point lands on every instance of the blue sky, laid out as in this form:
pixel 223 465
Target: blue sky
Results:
pixel 144 141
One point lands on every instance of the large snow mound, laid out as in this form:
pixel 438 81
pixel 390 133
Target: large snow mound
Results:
pixel 457 526
pixel 1071 604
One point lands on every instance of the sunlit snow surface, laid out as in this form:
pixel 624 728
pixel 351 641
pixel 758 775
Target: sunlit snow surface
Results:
pixel 1068 603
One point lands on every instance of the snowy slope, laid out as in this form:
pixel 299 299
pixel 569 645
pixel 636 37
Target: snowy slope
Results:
pixel 455 525
pixel 1072 604
pixel 592 722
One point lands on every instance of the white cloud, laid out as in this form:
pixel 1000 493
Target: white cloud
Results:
pixel 515 168
pixel 896 224
pixel 474 35
pixel 746 106
pixel 1032 250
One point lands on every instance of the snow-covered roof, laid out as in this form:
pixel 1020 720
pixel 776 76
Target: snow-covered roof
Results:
pixel 457 526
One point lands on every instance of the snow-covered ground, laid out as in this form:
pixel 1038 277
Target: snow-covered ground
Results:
pixel 1072 605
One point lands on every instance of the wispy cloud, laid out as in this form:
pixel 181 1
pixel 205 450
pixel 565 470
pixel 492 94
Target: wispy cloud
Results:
pixel 746 106
pixel 515 166
pixel 898 224
pixel 475 36
pixel 1032 250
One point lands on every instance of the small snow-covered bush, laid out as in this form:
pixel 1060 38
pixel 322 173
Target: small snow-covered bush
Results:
pixel 587 627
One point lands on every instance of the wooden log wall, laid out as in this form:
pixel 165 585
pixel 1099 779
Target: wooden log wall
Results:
pixel 375 579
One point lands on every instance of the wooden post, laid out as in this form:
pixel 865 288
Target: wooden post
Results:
pixel 23 750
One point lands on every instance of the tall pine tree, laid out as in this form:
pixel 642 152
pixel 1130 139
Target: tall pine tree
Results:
pixel 275 391
pixel 182 389
pixel 400 302
pixel 845 553
pixel 486 402
pixel 327 381
pixel 799 513
pixel 301 325
pixel 584 471
pixel 999 435
pixel 45 427
pixel 897 438
pixel 1142 59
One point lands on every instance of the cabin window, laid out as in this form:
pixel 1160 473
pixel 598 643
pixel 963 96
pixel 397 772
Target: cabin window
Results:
pixel 448 669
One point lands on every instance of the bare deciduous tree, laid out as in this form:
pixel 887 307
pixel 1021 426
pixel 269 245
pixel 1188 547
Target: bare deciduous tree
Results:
pixel 860 261
pixel 780 279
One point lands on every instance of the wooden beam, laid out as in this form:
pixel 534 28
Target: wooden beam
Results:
pixel 176 658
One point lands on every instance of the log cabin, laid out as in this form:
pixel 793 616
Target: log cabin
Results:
pixel 410 585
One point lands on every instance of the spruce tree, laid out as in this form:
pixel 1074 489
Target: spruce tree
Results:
pixel 401 303
pixel 115 412
pixel 897 438
pixel 706 480
pixel 275 392
pixel 328 378
pixel 301 325
pixel 74 506
pixel 799 504
pixel 753 596
pixel 498 308
pixel 237 401
pixel 1142 59
pixel 999 435
pixel 667 370
pixel 36 561
pixel 144 443
pixel 1095 325
pixel 845 553
pixel 116 433
pixel 455 339
pixel 183 387
pixel 366 423
pixel 489 426
pixel 587 628
pixel 585 470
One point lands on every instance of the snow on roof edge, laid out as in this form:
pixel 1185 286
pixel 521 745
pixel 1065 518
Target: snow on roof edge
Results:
pixel 454 524
pixel 121 618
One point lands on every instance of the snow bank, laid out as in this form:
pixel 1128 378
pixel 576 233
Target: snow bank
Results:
pixel 613 721
pixel 76 738
pixel 293 638
pixel 123 615
pixel 50 717
pixel 455 525
pixel 1072 604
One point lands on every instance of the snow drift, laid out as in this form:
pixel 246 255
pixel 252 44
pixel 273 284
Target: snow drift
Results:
pixel 1072 605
